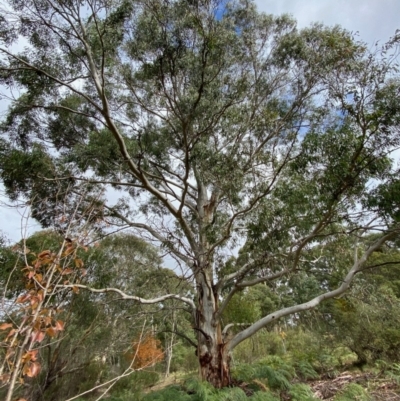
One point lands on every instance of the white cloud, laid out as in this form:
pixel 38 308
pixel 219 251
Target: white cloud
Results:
pixel 373 19
pixel 15 221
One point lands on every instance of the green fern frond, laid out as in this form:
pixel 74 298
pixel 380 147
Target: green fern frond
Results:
pixel 169 393
pixel 244 372
pixel 275 370
pixel 202 390
pixel 279 364
pixel 352 392
pixel 394 372
pixel 263 396
pixel 305 370
pixel 301 392
pixel 230 394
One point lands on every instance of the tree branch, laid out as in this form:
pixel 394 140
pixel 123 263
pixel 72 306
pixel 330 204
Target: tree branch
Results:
pixel 357 267
pixel 131 297
pixel 151 231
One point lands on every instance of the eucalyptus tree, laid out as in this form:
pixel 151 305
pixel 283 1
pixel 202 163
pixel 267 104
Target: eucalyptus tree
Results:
pixel 217 126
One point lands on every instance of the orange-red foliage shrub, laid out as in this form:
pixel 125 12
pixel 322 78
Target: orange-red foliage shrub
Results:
pixel 147 351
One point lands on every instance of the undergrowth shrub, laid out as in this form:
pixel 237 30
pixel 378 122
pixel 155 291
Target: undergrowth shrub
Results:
pixel 124 395
pixel 261 345
pixel 82 381
pixel 305 370
pixel 352 392
pixel 264 396
pixel 301 392
pixel 229 394
pixel 196 390
pixel 138 379
pixel 274 370
pixel 393 372
pixel 170 393
pixel 202 390
pixel 311 352
pixel 184 358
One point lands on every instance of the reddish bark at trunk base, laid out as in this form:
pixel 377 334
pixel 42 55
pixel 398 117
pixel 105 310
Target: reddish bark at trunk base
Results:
pixel 215 367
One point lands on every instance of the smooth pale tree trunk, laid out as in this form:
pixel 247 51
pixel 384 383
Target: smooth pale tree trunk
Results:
pixel 169 345
pixel 168 354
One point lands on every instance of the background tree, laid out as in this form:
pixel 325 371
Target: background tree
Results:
pixel 99 329
pixel 218 127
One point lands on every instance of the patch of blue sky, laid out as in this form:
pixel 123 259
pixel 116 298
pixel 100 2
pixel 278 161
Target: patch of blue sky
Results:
pixel 220 9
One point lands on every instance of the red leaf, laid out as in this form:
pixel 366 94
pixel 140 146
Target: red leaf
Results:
pixel 68 250
pixel 44 253
pixel 34 305
pixel 78 262
pixel 30 356
pixel 5 326
pixel 68 270
pixel 33 353
pixel 5 378
pixel 12 332
pixel 10 352
pixel 33 370
pixel 23 298
pixel 59 325
pixel 38 336
pixel 40 294
pixel 51 332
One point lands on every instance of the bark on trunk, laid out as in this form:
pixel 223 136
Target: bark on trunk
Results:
pixel 215 364
pixel 168 355
pixel 212 351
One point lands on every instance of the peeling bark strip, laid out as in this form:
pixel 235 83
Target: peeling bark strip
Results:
pixel 214 359
pixel 215 366
pixel 212 351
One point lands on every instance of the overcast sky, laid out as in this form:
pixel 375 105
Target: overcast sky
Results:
pixel 374 20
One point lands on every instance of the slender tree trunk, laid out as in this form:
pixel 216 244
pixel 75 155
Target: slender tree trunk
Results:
pixel 168 354
pixel 169 344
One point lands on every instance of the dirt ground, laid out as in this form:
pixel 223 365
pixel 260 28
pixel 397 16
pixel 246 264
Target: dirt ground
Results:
pixel 379 389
